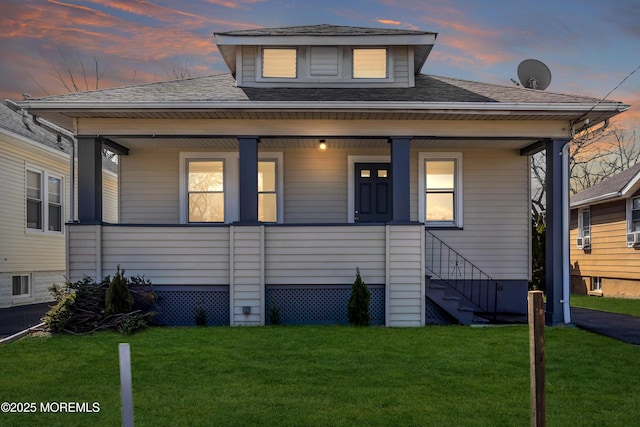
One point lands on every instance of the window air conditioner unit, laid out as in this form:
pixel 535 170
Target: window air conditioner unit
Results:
pixel 583 242
pixel 633 239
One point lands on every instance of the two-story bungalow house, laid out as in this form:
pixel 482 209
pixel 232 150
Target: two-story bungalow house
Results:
pixel 35 196
pixel 324 149
pixel 605 236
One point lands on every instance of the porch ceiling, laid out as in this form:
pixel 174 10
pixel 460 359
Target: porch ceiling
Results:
pixel 185 143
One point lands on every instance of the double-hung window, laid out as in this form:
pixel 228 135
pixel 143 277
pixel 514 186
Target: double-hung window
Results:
pixel 267 191
pixel 584 222
pixel 634 214
pixel 205 190
pixel 44 201
pixel 440 189
pixel 210 190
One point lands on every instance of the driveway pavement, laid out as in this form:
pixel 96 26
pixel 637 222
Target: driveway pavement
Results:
pixel 16 319
pixel 618 326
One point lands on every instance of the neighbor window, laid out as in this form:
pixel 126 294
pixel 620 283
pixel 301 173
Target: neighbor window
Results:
pixel 441 189
pixel 20 285
pixel 267 195
pixel 369 63
pixel 44 198
pixel 279 63
pixel 584 222
pixel 596 284
pixel 634 217
pixel 205 190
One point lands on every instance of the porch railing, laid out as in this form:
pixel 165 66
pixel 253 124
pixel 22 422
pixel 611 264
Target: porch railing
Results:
pixel 449 267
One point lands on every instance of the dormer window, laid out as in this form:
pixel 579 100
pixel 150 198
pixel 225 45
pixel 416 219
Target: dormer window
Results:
pixel 370 64
pixel 279 63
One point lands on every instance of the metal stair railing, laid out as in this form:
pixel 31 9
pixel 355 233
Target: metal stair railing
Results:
pixel 451 268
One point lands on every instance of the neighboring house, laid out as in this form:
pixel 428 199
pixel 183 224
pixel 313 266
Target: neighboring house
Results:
pixel 605 236
pixel 324 150
pixel 35 196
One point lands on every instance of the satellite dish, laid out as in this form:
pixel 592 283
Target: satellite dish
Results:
pixel 534 74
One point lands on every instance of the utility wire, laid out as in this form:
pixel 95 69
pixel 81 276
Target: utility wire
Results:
pixel 607 95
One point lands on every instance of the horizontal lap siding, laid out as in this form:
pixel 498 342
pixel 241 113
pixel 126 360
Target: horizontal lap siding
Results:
pixel 110 197
pixel 609 255
pixel 247 286
pixel 406 275
pixel 168 256
pixel 315 184
pixel 149 181
pixel 324 255
pixel 22 251
pixel 496 214
pixel 82 251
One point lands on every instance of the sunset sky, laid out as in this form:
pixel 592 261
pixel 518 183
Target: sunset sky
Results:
pixel 589 45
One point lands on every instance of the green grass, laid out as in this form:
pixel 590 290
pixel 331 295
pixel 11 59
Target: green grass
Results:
pixel 325 376
pixel 613 305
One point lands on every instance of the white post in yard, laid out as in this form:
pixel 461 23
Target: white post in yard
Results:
pixel 125 384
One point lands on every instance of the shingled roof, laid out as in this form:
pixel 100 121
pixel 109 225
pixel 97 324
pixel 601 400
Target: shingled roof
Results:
pixel 222 88
pixel 323 30
pixel 14 122
pixel 618 186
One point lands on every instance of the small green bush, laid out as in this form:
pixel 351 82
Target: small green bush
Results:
pixel 58 316
pixel 274 314
pixel 358 309
pixel 118 299
pixel 132 324
pixel 201 316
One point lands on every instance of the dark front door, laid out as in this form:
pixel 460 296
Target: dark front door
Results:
pixel 373 192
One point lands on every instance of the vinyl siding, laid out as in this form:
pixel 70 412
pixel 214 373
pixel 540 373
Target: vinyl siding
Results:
pixel 149 187
pixel 406 278
pixel 109 197
pixel 609 256
pixel 324 254
pixel 496 214
pixel 22 250
pixel 496 203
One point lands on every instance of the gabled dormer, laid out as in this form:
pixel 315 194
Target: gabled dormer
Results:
pixel 325 56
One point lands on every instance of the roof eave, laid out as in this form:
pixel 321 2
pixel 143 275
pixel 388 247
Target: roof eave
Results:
pixel 504 107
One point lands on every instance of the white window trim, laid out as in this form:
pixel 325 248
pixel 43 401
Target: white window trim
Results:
pixel 390 65
pixel 29 285
pixel 351 196
pixel 580 221
pixel 259 65
pixel 459 209
pixel 44 188
pixel 630 213
pixel 231 182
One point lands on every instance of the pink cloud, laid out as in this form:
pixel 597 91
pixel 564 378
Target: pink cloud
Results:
pixel 396 23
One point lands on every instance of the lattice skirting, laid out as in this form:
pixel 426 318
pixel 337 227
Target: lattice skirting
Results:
pixel 319 304
pixel 177 305
pixel 435 315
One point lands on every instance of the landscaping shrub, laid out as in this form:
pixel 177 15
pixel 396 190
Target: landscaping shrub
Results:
pixel 118 299
pixel 81 307
pixel 358 309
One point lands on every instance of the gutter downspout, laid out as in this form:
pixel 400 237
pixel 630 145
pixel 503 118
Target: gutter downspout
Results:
pixel 566 277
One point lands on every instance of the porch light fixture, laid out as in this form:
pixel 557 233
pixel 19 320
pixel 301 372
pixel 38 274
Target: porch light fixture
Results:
pixel 323 145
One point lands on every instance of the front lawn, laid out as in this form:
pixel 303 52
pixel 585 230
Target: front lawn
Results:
pixel 613 305
pixel 324 376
